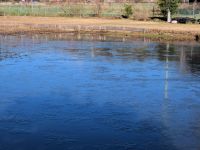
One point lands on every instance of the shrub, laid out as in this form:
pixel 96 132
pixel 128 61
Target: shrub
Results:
pixel 128 11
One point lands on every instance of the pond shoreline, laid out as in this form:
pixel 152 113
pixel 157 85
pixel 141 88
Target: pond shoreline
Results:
pixel 113 27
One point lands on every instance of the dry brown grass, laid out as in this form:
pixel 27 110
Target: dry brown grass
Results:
pixel 100 22
pixel 151 26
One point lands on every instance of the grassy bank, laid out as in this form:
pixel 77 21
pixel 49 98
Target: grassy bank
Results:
pixel 21 25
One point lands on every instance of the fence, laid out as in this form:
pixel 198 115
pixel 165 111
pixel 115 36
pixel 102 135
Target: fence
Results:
pixel 141 11
pixel 189 10
pixel 81 9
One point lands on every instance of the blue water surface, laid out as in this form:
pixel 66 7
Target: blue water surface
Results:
pixel 66 92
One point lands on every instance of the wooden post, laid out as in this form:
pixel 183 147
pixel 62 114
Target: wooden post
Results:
pixel 98 6
pixel 194 4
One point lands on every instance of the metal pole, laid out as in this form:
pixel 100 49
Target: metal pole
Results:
pixel 168 11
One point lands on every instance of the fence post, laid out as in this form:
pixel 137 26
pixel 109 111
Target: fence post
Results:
pixel 194 3
pixel 98 7
pixel 193 9
pixel 58 9
pixel 18 10
pixel 45 10
pixel 153 11
pixel 8 10
pixel 31 6
pixel 4 13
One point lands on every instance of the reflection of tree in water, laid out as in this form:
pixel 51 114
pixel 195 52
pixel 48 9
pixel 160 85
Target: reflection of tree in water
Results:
pixel 15 46
pixel 193 59
pixel 5 51
pixel 140 53
pixel 102 52
pixel 162 53
pixel 4 54
pixel 187 55
pixel 124 53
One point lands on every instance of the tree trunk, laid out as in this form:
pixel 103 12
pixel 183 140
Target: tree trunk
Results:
pixel 168 15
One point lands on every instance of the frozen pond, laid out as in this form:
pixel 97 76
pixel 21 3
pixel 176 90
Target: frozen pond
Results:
pixel 73 92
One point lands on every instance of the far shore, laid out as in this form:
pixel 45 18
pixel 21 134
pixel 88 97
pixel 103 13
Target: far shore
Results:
pixel 116 27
